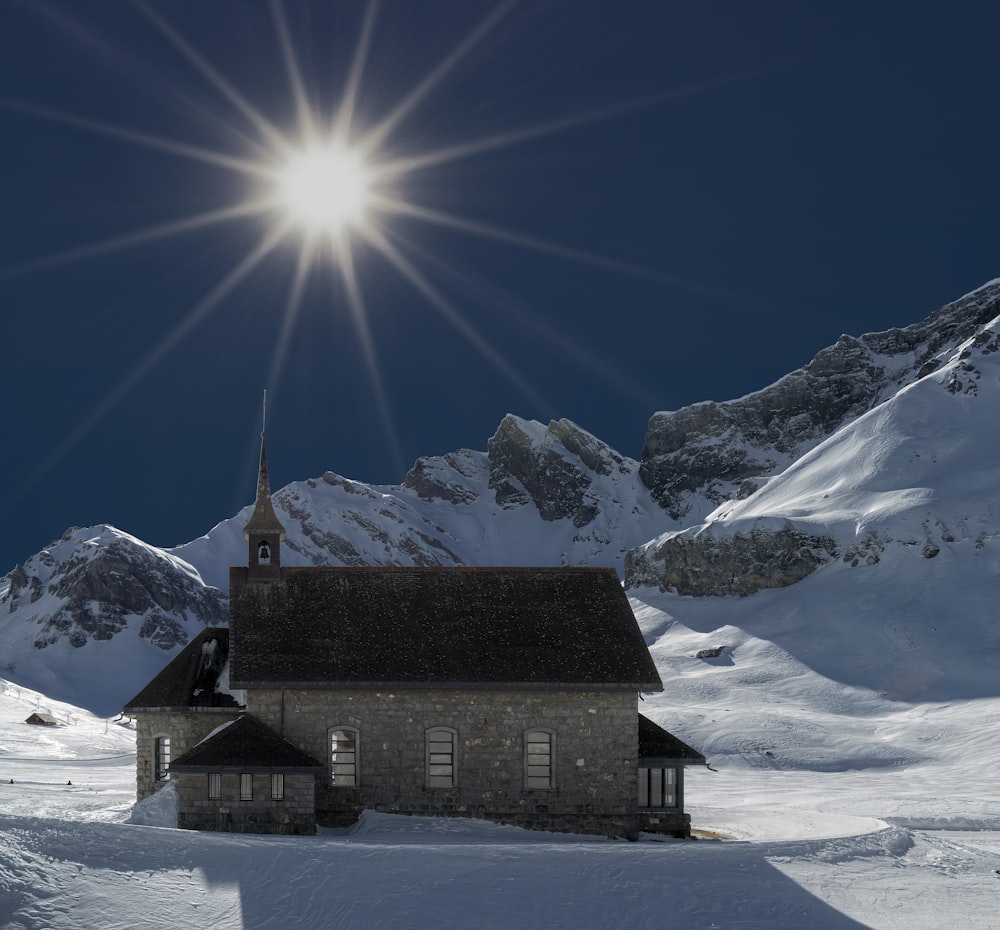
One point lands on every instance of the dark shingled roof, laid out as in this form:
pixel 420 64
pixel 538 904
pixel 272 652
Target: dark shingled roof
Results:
pixel 658 747
pixel 245 745
pixel 424 627
pixel 191 678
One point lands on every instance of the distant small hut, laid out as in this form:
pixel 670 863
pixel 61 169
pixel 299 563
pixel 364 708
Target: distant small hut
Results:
pixel 42 720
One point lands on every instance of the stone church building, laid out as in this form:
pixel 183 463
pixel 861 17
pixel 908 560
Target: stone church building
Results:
pixel 507 694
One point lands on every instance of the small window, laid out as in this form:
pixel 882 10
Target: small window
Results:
pixel 658 787
pixel 538 759
pixel 214 786
pixel 161 757
pixel 246 787
pixel 441 757
pixel 344 757
pixel 277 787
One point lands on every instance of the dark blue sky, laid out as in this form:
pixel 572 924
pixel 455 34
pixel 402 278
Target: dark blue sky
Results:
pixel 765 176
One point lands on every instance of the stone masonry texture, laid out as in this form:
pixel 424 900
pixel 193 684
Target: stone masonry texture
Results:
pixel 595 745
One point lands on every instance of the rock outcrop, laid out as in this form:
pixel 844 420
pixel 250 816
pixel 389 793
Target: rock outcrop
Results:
pixel 701 564
pixel 552 469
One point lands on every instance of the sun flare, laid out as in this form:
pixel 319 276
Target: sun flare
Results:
pixel 324 189
pixel 338 186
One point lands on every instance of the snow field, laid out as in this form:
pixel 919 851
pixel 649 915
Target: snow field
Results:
pixel 899 846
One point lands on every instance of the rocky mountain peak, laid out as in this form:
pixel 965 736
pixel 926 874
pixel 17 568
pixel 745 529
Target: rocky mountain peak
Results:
pixel 98 580
pixel 551 467
pixel 695 458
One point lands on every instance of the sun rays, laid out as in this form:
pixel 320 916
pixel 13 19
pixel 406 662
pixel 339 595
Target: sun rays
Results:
pixel 328 192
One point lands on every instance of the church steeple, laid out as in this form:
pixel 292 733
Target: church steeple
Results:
pixel 263 531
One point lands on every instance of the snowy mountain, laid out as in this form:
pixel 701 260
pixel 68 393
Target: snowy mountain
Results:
pixel 97 613
pixel 698 457
pixel 540 495
pixel 857 488
pixel 917 473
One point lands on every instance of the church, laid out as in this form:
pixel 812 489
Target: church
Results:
pixel 506 694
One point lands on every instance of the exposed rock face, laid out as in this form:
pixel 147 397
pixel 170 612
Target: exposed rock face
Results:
pixel 702 564
pixel 695 458
pixel 456 477
pixel 552 469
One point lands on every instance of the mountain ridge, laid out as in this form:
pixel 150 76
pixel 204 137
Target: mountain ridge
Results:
pixel 692 517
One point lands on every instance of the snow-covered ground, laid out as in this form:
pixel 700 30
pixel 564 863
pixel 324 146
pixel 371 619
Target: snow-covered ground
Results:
pixel 909 844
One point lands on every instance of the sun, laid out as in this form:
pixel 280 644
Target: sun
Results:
pixel 324 189
pixel 336 185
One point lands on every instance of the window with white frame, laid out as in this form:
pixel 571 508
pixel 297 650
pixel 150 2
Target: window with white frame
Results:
pixel 344 771
pixel 658 787
pixel 441 745
pixel 246 787
pixel 277 786
pixel 538 754
pixel 214 785
pixel 161 758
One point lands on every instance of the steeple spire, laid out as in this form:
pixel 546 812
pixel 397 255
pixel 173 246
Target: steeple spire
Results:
pixel 264 531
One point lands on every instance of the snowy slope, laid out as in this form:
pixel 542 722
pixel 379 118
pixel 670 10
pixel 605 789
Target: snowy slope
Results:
pixel 695 458
pixel 920 465
pixel 901 845
pixel 914 479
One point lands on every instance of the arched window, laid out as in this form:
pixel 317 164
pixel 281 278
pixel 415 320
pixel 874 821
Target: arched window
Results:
pixel 539 748
pixel 344 770
pixel 161 758
pixel 263 551
pixel 442 772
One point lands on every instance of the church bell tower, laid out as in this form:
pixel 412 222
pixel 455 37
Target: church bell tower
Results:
pixel 263 532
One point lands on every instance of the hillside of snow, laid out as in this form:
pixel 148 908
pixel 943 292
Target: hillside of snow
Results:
pixel 911 481
pixel 832 808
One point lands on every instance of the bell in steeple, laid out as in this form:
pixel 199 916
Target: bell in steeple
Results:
pixel 263 531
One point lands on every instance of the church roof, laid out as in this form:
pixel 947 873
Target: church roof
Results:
pixel 245 745
pixel 192 679
pixel 658 748
pixel 432 627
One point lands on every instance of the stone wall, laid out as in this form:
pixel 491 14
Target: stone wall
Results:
pixel 293 814
pixel 185 731
pixel 594 753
